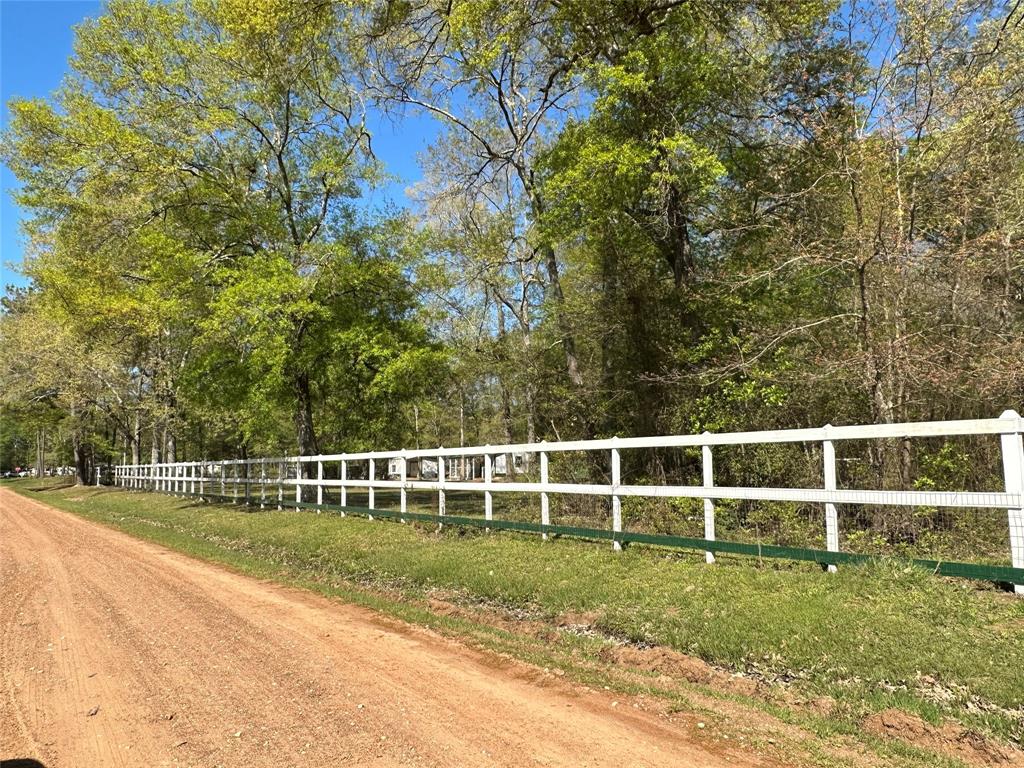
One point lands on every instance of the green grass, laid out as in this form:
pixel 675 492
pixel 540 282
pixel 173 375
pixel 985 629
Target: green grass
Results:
pixel 871 637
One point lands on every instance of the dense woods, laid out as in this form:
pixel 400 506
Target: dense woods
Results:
pixel 640 217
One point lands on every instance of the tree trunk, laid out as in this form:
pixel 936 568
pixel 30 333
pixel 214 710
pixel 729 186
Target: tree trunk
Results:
pixel 40 453
pixel 81 458
pixel 170 446
pixel 572 366
pixel 154 453
pixel 135 439
pixel 506 418
pixel 305 435
pixel 678 251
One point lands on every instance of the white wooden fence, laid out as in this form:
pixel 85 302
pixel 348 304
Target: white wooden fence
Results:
pixel 214 478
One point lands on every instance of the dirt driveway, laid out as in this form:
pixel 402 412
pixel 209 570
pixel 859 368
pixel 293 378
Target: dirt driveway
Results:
pixel 117 652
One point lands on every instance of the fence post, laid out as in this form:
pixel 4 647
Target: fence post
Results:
pixel 708 467
pixel 223 479
pixel 97 477
pixel 344 490
pixel 319 486
pixel 403 471
pixel 282 470
pixel 298 482
pixel 1013 473
pixel 193 470
pixel 616 500
pixel 441 473
pixel 202 478
pixel 545 507
pixel 370 488
pixel 831 514
pixel 488 498
pixel 263 483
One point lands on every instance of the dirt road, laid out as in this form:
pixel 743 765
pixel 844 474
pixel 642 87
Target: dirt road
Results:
pixel 117 652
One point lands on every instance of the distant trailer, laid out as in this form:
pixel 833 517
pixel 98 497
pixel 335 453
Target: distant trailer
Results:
pixel 458 468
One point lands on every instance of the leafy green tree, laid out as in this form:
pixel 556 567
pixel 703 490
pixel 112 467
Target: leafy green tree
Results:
pixel 199 172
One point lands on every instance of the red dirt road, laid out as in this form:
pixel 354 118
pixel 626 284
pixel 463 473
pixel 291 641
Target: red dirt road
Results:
pixel 117 652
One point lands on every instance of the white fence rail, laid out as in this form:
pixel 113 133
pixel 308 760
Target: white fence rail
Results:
pixel 272 478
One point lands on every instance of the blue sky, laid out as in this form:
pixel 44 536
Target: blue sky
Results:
pixel 35 43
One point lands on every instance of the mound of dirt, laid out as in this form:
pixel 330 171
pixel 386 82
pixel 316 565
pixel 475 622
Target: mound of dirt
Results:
pixel 677 666
pixel 967 745
pixel 584 619
pixel 665 661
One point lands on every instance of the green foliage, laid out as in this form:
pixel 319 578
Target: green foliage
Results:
pixel 637 218
pixel 948 469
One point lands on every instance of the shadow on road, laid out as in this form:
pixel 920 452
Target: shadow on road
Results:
pixel 21 762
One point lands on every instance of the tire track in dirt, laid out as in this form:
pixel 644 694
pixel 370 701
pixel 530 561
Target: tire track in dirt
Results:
pixel 191 664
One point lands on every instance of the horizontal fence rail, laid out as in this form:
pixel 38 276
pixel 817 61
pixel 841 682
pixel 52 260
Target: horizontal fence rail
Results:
pixel 280 482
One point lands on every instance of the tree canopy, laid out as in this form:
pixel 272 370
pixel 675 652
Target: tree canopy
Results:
pixel 637 218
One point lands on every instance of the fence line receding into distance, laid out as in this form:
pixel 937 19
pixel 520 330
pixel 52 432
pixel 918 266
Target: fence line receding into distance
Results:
pixel 442 470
